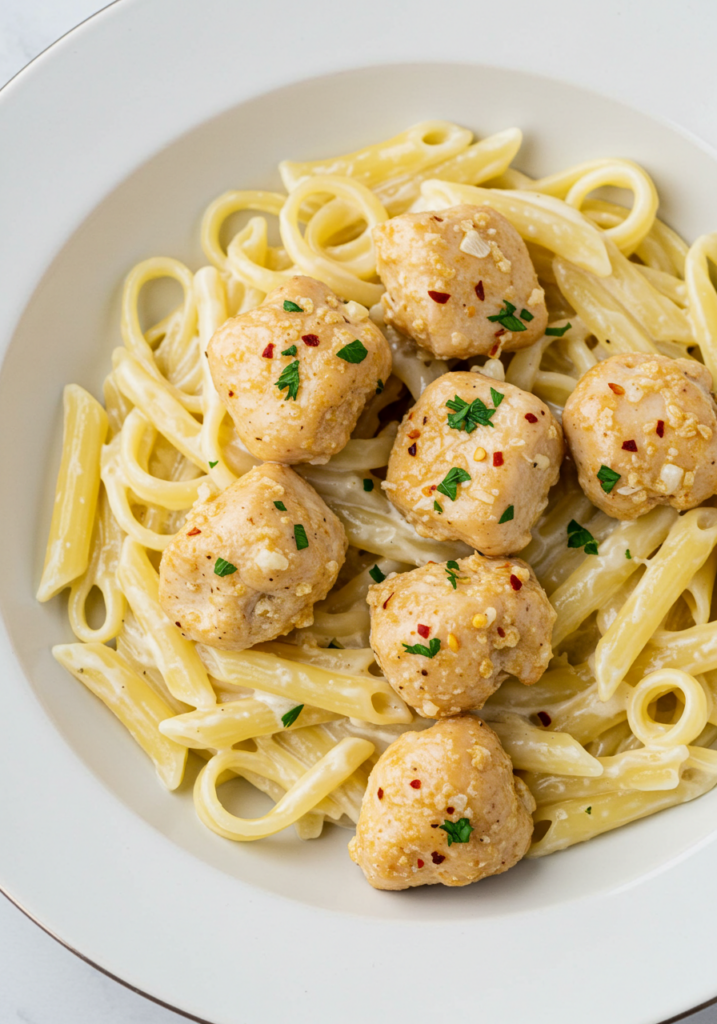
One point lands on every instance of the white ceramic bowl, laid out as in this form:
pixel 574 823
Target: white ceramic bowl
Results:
pixel 91 846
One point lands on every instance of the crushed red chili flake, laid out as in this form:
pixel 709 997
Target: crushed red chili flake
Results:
pixel 414 434
pixel 494 349
pixel 479 290
pixel 450 810
pixel 545 718
pixel 515 583
pixel 379 793
pixel 387 600
pixel 231 394
pixel 178 624
pixel 497 458
pixel 617 389
pixel 660 428
pixel 629 446
pixel 439 219
pixel 193 532
pixel 440 297
pixel 268 352
pixel 434 826
pixel 419 862
pixel 501 631
pixel 531 417
pixel 437 857
pixel 412 450
pixel 423 630
pixel 310 339
pixel 499 332
pixel 415 784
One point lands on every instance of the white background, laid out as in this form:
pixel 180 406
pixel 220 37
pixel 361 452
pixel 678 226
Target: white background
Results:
pixel 40 981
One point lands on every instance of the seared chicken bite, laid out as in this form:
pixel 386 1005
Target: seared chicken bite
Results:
pixel 447 635
pixel 642 430
pixel 474 460
pixel 448 273
pixel 249 564
pixel 296 372
pixel 443 806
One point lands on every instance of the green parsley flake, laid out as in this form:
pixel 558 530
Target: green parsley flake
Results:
pixel 291 307
pixel 280 505
pixel 579 537
pixel 469 415
pixel 434 646
pixel 302 541
pixel 289 378
pixel 627 553
pixel 213 464
pixel 367 484
pixel 354 352
pixel 557 332
pixel 505 317
pixel 449 483
pixel 437 508
pixel 335 645
pixel 452 568
pixel 376 575
pixel 223 568
pixel 379 387
pixel 507 515
pixel 526 315
pixel 290 717
pixel 589 810
pixel 497 397
pixel 291 351
pixel 608 478
pixel 457 831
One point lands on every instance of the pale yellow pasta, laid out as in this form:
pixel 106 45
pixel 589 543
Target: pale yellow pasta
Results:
pixel 232 722
pixel 78 483
pixel 171 494
pixel 115 482
pixel 692 650
pixel 539 750
pixel 222 208
pixel 689 725
pixel 101 573
pixel 703 298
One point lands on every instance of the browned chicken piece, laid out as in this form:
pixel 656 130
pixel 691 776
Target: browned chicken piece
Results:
pixel 642 430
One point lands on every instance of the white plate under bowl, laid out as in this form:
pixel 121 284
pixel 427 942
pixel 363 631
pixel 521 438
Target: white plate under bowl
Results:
pixel 91 846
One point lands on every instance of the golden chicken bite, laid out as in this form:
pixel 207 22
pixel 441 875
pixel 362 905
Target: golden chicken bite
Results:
pixel 296 372
pixel 474 460
pixel 642 430
pixel 496 621
pixel 249 564
pixel 442 805
pixel 448 272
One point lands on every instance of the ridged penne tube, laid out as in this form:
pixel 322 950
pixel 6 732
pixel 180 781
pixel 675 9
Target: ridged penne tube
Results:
pixel 222 208
pixel 599 576
pixel 176 658
pixel 550 222
pixel 352 661
pixel 78 484
pixel 138 277
pixel 699 591
pixel 117 494
pixel 554 687
pixel 368 698
pixel 703 297
pixel 116 405
pixel 585 716
pixel 666 284
pixel 570 822
pixel 131 699
pixel 317 783
pixel 646 770
pixel 233 721
pixel 540 750
pixel 171 494
pixel 686 548
pixel 159 406
pixel 101 573
pixel 659 734
pixel 554 387
pixel 693 650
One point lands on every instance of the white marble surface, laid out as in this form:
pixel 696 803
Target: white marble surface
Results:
pixel 40 981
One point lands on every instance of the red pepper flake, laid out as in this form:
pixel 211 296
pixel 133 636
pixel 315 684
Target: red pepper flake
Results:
pixel 501 631
pixel 437 857
pixel 497 458
pixel 193 532
pixel 629 446
pixel 419 863
pixel 414 434
pixel 660 428
pixel 501 330
pixel 268 352
pixel 545 718
pixel 515 583
pixel 423 630
pixel 231 394
pixel 617 389
pixel 439 219
pixel 415 783
pixel 178 624
pixel 412 450
pixel 311 340
pixel 494 349
pixel 440 297
pixel 387 600
pixel 531 418
pixel 480 292
pixel 450 810
pixel 379 793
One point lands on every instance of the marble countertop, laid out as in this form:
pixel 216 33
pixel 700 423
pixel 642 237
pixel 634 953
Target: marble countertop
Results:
pixel 41 982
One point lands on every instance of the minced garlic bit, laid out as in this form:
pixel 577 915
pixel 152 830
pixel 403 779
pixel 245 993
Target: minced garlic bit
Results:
pixel 473 244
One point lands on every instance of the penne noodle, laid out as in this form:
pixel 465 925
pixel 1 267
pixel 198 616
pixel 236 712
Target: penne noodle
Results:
pixel 232 722
pixel 539 750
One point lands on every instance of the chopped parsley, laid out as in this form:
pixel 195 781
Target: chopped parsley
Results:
pixel 354 352
pixel 526 315
pixel 457 831
pixel 291 307
pixel 579 537
pixel 506 318
pixel 223 568
pixel 290 351
pixel 379 387
pixel 367 484
pixel 452 569
pixel 280 505
pixel 213 464
pixel 437 508
pixel 449 483
pixel 434 646
pixel 334 645
pixel 589 810
pixel 376 575
pixel 289 378
pixel 469 415
pixel 557 332
pixel 290 717
pixel 608 478
pixel 302 541
pixel 507 515
pixel 627 553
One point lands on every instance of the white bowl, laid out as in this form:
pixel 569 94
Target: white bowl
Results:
pixel 91 846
